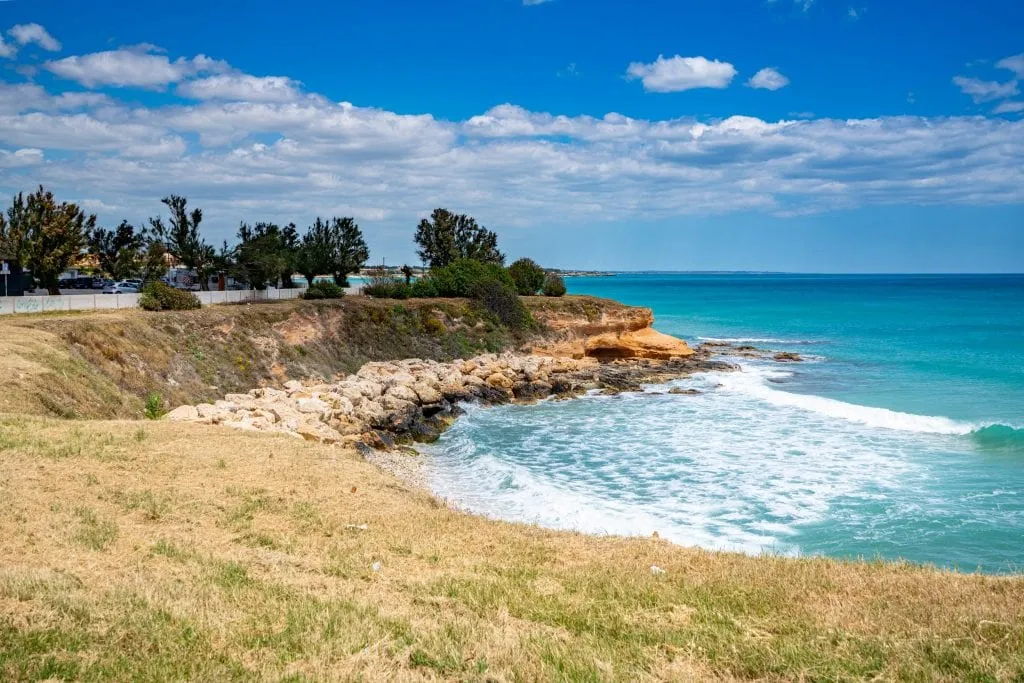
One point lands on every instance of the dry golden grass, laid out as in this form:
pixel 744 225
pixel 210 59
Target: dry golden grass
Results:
pixel 156 551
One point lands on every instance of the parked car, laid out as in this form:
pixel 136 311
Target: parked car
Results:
pixel 121 288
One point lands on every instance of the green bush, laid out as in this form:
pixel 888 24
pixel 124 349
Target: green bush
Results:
pixel 554 285
pixel 154 406
pixel 527 276
pixel 387 287
pixel 459 278
pixel 323 290
pixel 423 288
pixel 157 296
pixel 501 300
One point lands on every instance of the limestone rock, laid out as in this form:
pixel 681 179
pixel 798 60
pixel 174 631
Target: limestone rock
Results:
pixel 499 381
pixel 183 414
pixel 426 393
pixel 644 343
pixel 403 393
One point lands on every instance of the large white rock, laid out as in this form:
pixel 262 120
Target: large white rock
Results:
pixel 183 414
pixel 426 393
pixel 403 393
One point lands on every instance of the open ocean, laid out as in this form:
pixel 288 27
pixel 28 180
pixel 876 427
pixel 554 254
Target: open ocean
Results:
pixel 901 437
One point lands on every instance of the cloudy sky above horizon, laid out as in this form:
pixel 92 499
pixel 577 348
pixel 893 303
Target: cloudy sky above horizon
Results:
pixel 804 135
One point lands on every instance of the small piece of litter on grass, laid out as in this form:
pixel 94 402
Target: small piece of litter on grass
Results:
pixel 376 566
pixel 656 570
pixel 357 527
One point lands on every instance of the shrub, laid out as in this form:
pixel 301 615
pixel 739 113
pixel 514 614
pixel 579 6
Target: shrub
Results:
pixel 527 276
pixel 157 296
pixel 154 406
pixel 323 290
pixel 423 288
pixel 500 299
pixel 554 285
pixel 459 278
pixel 387 287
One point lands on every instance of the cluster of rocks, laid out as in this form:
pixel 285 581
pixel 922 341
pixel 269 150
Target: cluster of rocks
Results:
pixel 410 399
pixel 415 400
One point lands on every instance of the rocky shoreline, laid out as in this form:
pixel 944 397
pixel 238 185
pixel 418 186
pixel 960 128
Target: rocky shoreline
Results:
pixel 386 407
pixel 389 404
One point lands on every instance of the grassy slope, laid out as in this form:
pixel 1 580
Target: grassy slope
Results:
pixel 140 550
pixel 136 550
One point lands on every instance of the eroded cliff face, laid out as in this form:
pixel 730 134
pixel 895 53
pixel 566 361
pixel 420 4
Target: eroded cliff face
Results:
pixel 105 364
pixel 602 329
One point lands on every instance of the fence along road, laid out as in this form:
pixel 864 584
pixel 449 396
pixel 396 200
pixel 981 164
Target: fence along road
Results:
pixel 102 302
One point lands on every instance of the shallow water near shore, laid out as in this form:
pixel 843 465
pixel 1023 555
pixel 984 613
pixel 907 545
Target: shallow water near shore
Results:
pixel 901 437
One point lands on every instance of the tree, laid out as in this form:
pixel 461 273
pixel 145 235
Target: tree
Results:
pixel 314 256
pixel 182 238
pixel 528 276
pixel 447 237
pixel 290 247
pixel 118 250
pixel 350 252
pixel 261 254
pixel 45 237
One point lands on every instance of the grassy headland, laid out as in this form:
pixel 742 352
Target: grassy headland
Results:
pixel 150 550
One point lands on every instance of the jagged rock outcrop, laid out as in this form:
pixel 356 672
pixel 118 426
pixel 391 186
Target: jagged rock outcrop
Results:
pixel 416 400
pixel 606 332
pixel 643 343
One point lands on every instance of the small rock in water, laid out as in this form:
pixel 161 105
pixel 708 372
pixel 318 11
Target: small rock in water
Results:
pixel 684 392
pixel 657 571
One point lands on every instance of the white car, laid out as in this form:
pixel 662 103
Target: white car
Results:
pixel 121 288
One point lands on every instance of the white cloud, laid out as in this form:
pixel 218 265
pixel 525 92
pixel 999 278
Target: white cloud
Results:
pixel 1009 107
pixel 768 79
pixel 681 73
pixel 131 68
pixel 269 157
pixel 24 34
pixel 241 87
pixel 1014 64
pixel 20 158
pixel 985 91
pixel 7 51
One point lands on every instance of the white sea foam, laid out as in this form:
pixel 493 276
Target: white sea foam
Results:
pixel 722 470
pixel 759 340
pixel 752 382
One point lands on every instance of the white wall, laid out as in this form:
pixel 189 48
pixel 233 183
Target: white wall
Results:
pixel 90 302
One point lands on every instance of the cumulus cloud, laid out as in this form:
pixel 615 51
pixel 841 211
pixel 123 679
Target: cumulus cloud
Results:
pixel 241 146
pixel 241 87
pixel 131 68
pixel 768 79
pixel 7 51
pixel 1014 64
pixel 25 34
pixel 985 91
pixel 681 73
pixel 1009 108
pixel 20 158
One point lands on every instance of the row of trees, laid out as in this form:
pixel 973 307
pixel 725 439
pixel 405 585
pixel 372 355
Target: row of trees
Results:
pixel 47 238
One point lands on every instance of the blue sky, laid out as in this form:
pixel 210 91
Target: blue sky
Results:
pixel 785 135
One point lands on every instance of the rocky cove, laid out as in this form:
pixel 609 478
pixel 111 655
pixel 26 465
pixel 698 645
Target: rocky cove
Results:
pixel 392 403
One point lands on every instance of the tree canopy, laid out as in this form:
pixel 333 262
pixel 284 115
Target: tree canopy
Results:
pixel 182 239
pixel 118 250
pixel 446 237
pixel 45 237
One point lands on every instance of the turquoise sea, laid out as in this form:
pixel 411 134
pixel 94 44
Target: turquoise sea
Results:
pixel 902 436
